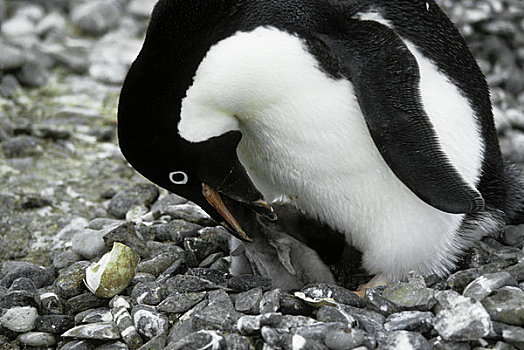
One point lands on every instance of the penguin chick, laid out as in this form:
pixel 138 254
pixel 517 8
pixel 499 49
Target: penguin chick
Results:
pixel 370 116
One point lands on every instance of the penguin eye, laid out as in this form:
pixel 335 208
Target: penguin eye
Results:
pixel 178 177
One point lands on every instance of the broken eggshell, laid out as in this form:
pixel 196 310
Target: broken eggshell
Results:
pixel 113 272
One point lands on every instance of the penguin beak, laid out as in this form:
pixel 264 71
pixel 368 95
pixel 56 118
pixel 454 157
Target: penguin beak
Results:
pixel 260 206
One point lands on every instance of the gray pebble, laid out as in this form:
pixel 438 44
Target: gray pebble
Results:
pixel 249 302
pixel 410 321
pixel 78 345
pixel 244 283
pixel 97 17
pixel 19 319
pixel 204 339
pixel 180 303
pixel 12 57
pixel 506 305
pixel 128 235
pixel 84 302
pixel 404 340
pixel 99 331
pixel 150 293
pixel 407 296
pixel 126 326
pixel 142 194
pixel 22 146
pixel 149 322
pixel 50 304
pixel 335 314
pixel 191 213
pixel 369 320
pixel 339 294
pixel 70 281
pixel 37 339
pixel 460 318
pixel 514 336
pixel 513 236
pixel 66 259
pixel 342 340
pixel 157 342
pixel 89 243
pixel 250 325
pixel 33 74
pixel 157 264
pixel 9 86
pixel 236 342
pixel 94 316
pixel 186 283
pixel 219 314
pixel 141 8
pixel 175 231
pixel 376 302
pixel 56 324
pixel 486 284
pixel 270 301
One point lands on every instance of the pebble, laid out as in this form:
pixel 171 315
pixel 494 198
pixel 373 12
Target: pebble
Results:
pixel 514 336
pixel 506 305
pixel 250 325
pixel 236 342
pixel 70 281
pixel 149 322
pixel 84 302
pixel 157 264
pixel 97 17
pixel 188 283
pixel 410 321
pixel 190 213
pixel 175 231
pixel 335 314
pixel 127 234
pixel 513 236
pixel 22 146
pixel 56 324
pixel 249 302
pixel 342 340
pixel 50 304
pixel 19 319
pixel 11 58
pixel 408 296
pixel 142 194
pixel 404 340
pixel 376 302
pixel 11 270
pixel 37 339
pixel 99 331
pixel 180 303
pixel 486 284
pixel 78 345
pixel 125 325
pixel 204 339
pixel 338 294
pixel 243 283
pixel 460 318
pixel 94 316
pixel 219 314
pixel 150 293
pixel 89 243
pixel 141 8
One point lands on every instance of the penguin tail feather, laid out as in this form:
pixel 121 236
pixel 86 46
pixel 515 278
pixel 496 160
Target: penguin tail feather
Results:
pixel 514 206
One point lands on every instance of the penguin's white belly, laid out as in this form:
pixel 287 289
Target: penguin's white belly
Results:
pixel 305 140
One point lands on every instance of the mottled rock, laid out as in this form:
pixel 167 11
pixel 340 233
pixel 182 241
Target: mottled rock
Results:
pixel 11 270
pixel 191 213
pixel 244 283
pixel 50 304
pixel 250 325
pixel 94 316
pixel 514 336
pixel 127 234
pixel 99 331
pixel 149 322
pixel 513 236
pixel 342 340
pixel 507 305
pixel 249 302
pixel 175 231
pixel 78 345
pixel 66 259
pixel 369 320
pixel 270 301
pixel 486 284
pixel 460 279
pixel 125 324
pixel 337 293
pixel 19 319
pixel 97 17
pixel 70 281
pixel 376 302
pixel 89 243
pixel 407 296
pixel 56 324
pixel 460 318
pixel 180 303
pixel 211 275
pixel 441 344
pixel 236 342
pixel 187 283
pixel 37 339
pixel 150 293
pixel 33 74
pixel 204 339
pixel 335 314
pixel 219 314
pixel 83 302
pixel 292 305
pixel 157 264
pixel 410 321
pixel 22 146
pixel 404 340
pixel 142 194
pixel 157 342
pixel 11 57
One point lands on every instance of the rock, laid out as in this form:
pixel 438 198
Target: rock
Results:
pixel 97 17
pixel 19 319
pixel 94 316
pixel 334 314
pixel 270 301
pixel 52 22
pixel 200 247
pixel 460 318
pixel 513 236
pixel 89 243
pixel 56 324
pixel 33 74
pixel 250 325
pixel 191 213
pixel 460 279
pixel 70 281
pixel 376 302
pixel 514 336
pixel 180 303
pixel 318 332
pixel 219 314
pixel 338 294
pixel 370 321
pixel 407 296
pixel 403 340
pixel 186 283
pixel 150 293
pixel 83 302
pixel 486 284
pixel 205 339
pixel 125 324
pixel 50 304
pixel 244 283
pixel 341 340
pixel 66 259
pixel 11 58
pixel 127 234
pixel 141 8
pixel 9 86
pixel 37 339
pixel 249 302
pixel 157 342
pixel 149 322
pixel 78 345
pixel 142 194
pixel 507 305
pixel 292 305
pixel 236 342
pixel 211 275
pixel 98 331
pixel 410 321
pixel 441 344
pixel 22 146
pixel 175 231
pixel 157 264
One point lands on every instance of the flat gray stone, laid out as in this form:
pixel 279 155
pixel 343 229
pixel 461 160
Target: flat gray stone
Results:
pixel 37 339
pixel 486 284
pixel 507 306
pixel 404 340
pixel 99 331
pixel 410 321
pixel 19 319
pixel 407 296
pixel 149 322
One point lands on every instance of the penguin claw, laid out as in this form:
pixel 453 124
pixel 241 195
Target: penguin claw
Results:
pixel 376 281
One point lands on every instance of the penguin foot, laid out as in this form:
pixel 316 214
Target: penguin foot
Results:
pixel 376 281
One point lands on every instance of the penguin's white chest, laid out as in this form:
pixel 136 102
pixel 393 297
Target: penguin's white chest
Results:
pixel 305 140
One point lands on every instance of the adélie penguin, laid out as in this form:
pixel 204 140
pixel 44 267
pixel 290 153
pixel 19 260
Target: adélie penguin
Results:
pixel 370 116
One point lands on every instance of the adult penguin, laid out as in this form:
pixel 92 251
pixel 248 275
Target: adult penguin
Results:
pixel 370 116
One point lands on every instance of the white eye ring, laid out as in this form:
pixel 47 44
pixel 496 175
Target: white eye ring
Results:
pixel 175 173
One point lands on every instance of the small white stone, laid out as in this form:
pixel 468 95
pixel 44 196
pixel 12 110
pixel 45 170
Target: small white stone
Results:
pixel 19 319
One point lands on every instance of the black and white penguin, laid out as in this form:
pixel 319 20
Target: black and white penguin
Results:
pixel 370 116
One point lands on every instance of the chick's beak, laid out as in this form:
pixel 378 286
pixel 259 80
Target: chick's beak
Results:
pixel 260 206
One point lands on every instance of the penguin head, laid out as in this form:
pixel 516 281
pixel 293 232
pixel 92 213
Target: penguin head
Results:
pixel 207 171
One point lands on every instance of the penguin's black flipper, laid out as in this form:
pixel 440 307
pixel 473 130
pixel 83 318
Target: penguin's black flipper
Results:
pixel 386 78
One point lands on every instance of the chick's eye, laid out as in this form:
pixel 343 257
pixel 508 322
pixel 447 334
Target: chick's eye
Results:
pixel 178 177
